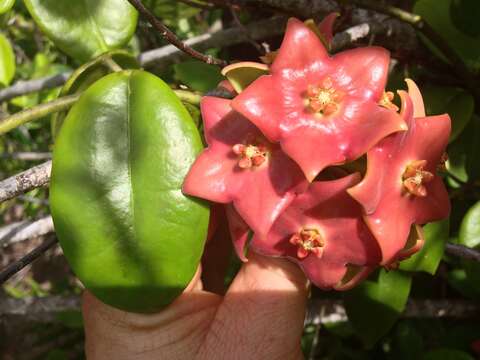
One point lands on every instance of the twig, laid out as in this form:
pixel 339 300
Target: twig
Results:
pixel 252 41
pixel 26 87
pixel 205 6
pixel 37 112
pixel 18 265
pixel 462 252
pixel 27 156
pixel 25 181
pixel 161 56
pixel 171 37
pixel 24 230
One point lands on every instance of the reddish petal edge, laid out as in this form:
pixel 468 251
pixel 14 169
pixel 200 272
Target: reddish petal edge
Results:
pixel 326 27
pixel 416 96
pixel 354 275
pixel 415 242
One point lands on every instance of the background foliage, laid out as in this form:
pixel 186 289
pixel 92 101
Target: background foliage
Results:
pixel 34 43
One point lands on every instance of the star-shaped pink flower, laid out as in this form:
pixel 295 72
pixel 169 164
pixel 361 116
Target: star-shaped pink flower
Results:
pixel 322 110
pixel 323 231
pixel 401 186
pixel 242 167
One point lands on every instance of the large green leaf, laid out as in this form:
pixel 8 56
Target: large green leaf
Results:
pixel 85 28
pixel 7 61
pixel 437 14
pixel 90 72
pixel 119 162
pixel 6 5
pixel 429 257
pixel 373 307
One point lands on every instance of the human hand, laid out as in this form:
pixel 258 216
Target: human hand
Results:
pixel 260 317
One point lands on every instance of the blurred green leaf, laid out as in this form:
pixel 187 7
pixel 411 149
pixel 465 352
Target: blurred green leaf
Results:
pixel 428 258
pixel 242 74
pixel 407 341
pixel 197 75
pixel 437 14
pixel 458 279
pixel 470 228
pixel 6 5
pixel 465 15
pixel 85 28
pixel 57 355
pixel 7 61
pixel 447 354
pixel 373 307
pixel 71 319
pixel 456 102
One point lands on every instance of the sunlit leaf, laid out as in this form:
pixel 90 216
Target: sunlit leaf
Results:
pixel 85 28
pixel 128 232
pixel 7 61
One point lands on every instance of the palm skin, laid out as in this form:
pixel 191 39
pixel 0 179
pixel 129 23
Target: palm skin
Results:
pixel 260 317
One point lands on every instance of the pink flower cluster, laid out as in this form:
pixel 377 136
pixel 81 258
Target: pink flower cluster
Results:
pixel 281 154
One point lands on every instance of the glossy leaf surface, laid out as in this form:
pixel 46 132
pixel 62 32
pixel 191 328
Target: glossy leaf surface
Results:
pixel 127 230
pixel 385 298
pixel 7 61
pixel 85 28
pixel 470 227
pixel 197 75
pixel 90 72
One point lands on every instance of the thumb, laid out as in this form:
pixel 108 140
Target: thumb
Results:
pixel 262 313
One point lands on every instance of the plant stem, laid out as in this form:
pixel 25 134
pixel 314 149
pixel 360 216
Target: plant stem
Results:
pixel 425 29
pixel 37 112
pixel 171 37
pixel 188 96
pixel 112 65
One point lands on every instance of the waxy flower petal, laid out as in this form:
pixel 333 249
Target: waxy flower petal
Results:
pixel 260 189
pixel 386 194
pixel 321 101
pixel 342 239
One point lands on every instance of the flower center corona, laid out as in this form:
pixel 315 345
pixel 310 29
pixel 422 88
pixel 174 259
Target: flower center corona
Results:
pixel 323 99
pixel 250 155
pixel 308 241
pixel 415 177
pixel 386 101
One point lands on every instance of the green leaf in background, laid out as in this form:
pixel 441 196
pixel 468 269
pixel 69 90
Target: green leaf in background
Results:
pixel 459 280
pixel 465 15
pixel 6 5
pixel 407 341
pixel 437 14
pixel 244 73
pixel 90 72
pixel 447 354
pixel 85 28
pixel 7 61
pixel 374 307
pixel 470 228
pixel 197 75
pixel 456 102
pixel 429 257
pixel 119 162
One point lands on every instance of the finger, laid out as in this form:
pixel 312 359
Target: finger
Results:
pixel 116 334
pixel 262 313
